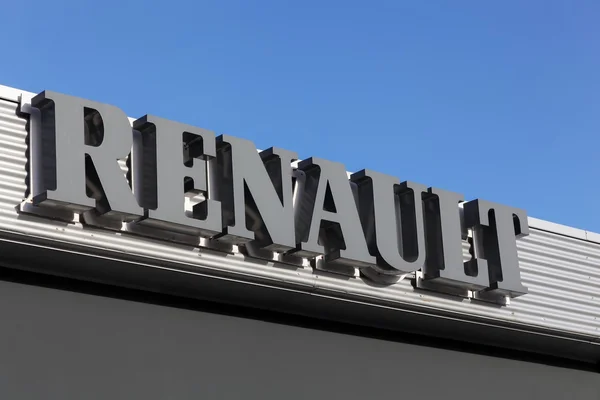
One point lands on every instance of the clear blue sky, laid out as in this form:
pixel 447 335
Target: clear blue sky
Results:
pixel 497 100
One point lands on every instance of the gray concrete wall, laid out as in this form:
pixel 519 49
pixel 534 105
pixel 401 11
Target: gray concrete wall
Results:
pixel 57 344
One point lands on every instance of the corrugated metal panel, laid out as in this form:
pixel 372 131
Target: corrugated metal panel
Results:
pixel 561 272
pixel 13 156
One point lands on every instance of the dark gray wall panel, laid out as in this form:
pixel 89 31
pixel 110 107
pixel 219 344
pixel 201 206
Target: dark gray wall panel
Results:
pixel 57 344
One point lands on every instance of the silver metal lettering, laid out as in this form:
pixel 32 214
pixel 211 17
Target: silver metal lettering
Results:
pixel 496 228
pixel 173 158
pixel 256 193
pixel 445 232
pixel 392 218
pixel 334 227
pixel 183 179
pixel 82 141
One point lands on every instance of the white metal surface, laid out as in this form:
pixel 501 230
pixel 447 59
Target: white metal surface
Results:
pixel 560 265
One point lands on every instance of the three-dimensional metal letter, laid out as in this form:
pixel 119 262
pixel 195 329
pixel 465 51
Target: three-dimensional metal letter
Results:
pixel 174 158
pixel 496 228
pixel 82 141
pixel 445 232
pixel 256 193
pixel 392 218
pixel 334 229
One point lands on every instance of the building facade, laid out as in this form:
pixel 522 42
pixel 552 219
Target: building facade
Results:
pixel 103 297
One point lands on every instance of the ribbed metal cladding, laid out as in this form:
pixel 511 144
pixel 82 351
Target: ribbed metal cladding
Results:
pixel 561 272
pixel 13 156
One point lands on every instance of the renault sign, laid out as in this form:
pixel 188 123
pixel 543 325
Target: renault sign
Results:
pixel 89 159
